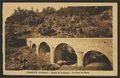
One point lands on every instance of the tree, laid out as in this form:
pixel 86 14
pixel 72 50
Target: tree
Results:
pixel 49 10
pixel 10 36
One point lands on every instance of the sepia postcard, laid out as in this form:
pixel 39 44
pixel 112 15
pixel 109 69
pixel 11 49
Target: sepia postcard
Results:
pixel 60 39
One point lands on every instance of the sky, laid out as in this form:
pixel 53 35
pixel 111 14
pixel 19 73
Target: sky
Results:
pixel 8 8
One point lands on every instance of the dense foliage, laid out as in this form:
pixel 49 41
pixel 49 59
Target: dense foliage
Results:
pixel 65 22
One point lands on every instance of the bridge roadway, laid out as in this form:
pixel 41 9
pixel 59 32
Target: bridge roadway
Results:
pixel 80 45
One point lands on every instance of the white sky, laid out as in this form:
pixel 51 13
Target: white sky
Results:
pixel 8 8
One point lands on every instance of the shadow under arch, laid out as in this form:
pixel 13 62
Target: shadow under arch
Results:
pixel 34 47
pixel 44 47
pixel 93 56
pixel 64 52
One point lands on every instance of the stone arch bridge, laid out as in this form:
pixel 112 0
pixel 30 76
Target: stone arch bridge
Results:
pixel 80 45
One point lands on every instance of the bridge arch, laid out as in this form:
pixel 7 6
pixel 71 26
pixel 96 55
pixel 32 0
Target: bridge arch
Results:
pixel 44 47
pixel 64 52
pixel 94 56
pixel 34 47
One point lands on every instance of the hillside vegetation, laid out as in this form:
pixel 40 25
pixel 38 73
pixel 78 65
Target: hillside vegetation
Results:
pixel 86 21
pixel 68 22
